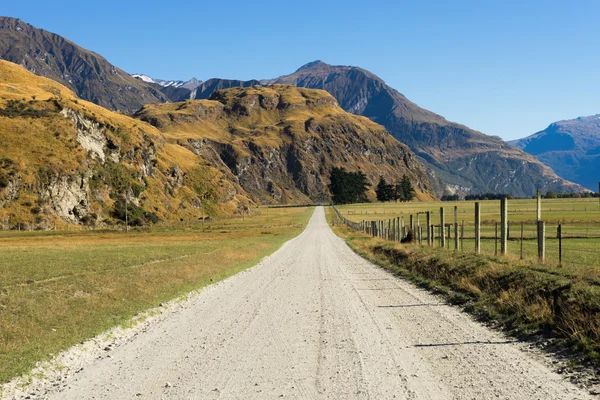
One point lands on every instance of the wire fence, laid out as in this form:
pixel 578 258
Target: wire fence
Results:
pixel 573 242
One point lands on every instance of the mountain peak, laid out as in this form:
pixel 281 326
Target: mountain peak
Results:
pixel 313 65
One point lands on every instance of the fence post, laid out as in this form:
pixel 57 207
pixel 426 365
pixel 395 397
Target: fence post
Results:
pixel 455 228
pixel 477 228
pixel 539 206
pixel 462 235
pixel 541 233
pixel 428 218
pixel 412 225
pixel 420 235
pixel 504 227
pixel 559 245
pixel 398 232
pixel 522 232
pixel 496 241
pixel 442 225
pixel 449 235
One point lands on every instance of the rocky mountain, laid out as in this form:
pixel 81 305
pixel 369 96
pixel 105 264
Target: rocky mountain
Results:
pixel 66 159
pixel 89 75
pixel 464 159
pixel 570 147
pixel 190 85
pixel 280 142
pixel 203 90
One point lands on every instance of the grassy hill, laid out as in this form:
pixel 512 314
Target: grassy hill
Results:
pixel 280 142
pixel 63 158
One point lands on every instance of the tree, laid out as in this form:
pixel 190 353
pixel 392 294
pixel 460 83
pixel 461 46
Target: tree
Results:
pixel 407 192
pixel 385 191
pixel 348 187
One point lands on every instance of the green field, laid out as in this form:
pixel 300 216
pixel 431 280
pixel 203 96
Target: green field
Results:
pixel 580 220
pixel 59 288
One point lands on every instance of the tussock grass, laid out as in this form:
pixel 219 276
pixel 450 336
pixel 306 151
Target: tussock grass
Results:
pixel 57 290
pixel 527 299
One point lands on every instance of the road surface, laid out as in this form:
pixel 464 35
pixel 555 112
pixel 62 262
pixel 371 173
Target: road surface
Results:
pixel 316 321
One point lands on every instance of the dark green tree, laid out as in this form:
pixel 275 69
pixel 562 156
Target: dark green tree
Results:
pixel 407 192
pixel 348 187
pixel 385 191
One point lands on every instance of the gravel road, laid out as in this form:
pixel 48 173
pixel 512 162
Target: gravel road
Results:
pixel 316 321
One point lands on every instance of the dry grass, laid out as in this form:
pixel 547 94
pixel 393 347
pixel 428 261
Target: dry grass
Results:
pixel 59 289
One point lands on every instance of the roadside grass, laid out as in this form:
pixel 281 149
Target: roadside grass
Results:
pixel 527 299
pixel 59 289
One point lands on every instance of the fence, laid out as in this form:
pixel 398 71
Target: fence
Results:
pixel 562 242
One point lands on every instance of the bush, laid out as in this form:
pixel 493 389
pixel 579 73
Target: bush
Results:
pixel 135 215
pixel 36 210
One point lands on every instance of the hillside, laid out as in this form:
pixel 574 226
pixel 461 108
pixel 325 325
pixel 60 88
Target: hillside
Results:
pixel 280 142
pixel 466 160
pixel 62 158
pixel 86 73
pixel 570 147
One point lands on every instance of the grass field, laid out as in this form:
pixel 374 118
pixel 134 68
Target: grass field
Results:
pixel 580 220
pixel 57 289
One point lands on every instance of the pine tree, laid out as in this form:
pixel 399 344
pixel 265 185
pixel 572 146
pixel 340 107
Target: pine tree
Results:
pixel 407 192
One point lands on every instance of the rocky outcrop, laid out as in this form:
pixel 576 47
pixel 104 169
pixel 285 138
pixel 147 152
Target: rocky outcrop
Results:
pixel 67 196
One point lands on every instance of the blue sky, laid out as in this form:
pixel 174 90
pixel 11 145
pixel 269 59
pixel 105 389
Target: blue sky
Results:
pixel 506 68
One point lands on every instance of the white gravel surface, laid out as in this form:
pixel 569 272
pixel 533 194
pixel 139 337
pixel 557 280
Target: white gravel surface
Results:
pixel 314 321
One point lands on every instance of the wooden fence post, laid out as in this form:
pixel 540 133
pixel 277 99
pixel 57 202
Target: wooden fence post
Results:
pixel 539 206
pixel 477 228
pixel 503 227
pixel 496 241
pixel 449 235
pixel 522 232
pixel 428 218
pixel 442 226
pixel 455 228
pixel 462 235
pixel 541 233
pixel 559 245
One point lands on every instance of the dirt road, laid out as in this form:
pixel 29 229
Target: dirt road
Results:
pixel 316 321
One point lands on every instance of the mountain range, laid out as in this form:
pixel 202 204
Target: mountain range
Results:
pixel 570 147
pixel 458 159
pixel 65 158
pixel 461 160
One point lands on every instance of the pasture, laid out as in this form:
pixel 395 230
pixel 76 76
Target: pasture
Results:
pixel 579 219
pixel 60 288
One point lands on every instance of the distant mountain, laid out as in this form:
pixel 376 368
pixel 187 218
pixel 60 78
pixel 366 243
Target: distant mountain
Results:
pixel 203 90
pixel 570 147
pixel 279 143
pixel 89 75
pixel 464 159
pixel 190 85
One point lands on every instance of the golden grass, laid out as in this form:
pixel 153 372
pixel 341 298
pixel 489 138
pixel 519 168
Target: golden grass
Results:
pixel 59 289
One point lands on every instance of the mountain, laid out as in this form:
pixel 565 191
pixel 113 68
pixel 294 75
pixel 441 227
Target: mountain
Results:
pixel 464 159
pixel 570 147
pixel 203 90
pixel 89 75
pixel 280 142
pixel 63 158
pixel 190 85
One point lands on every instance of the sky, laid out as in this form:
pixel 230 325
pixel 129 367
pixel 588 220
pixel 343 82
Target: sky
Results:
pixel 506 68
